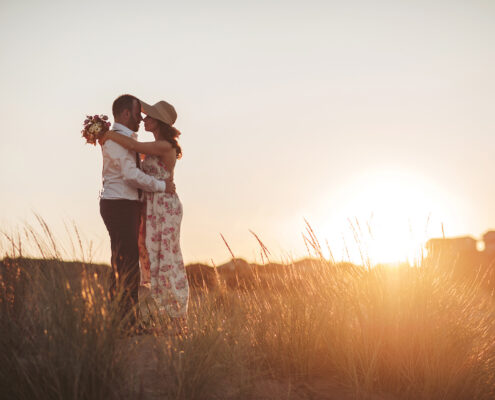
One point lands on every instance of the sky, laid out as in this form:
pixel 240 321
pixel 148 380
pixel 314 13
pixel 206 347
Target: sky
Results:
pixel 370 120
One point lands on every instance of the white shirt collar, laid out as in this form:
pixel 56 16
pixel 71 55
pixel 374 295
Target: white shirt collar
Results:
pixel 123 129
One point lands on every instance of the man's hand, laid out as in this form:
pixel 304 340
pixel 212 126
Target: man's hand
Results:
pixel 170 186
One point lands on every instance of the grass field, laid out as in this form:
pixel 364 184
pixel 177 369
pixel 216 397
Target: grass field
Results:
pixel 314 330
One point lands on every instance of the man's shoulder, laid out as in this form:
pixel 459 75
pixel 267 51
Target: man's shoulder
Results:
pixel 114 149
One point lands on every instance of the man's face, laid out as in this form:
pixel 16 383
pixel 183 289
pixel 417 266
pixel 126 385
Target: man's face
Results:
pixel 135 116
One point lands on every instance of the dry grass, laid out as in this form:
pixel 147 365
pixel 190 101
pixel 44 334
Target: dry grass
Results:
pixel 324 331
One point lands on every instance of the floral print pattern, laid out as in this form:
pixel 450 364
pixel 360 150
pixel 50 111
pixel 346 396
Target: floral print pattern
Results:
pixel 162 267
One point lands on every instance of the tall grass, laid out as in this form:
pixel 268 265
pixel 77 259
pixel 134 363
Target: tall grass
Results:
pixel 309 330
pixel 58 338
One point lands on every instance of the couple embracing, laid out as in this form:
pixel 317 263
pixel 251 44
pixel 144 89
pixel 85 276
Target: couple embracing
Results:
pixel 141 209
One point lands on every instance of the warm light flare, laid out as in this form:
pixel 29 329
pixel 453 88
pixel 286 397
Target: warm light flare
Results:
pixel 387 217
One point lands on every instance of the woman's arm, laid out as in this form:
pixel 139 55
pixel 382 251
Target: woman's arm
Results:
pixel 155 148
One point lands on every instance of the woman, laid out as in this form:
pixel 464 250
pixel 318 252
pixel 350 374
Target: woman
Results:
pixel 160 255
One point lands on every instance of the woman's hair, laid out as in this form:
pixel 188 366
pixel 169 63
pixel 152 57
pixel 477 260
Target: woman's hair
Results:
pixel 170 134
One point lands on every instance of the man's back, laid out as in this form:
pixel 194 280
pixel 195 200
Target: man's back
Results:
pixel 115 183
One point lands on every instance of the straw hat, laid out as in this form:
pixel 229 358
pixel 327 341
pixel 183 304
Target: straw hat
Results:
pixel 162 111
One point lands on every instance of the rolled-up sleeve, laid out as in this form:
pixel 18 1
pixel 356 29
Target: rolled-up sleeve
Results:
pixel 133 176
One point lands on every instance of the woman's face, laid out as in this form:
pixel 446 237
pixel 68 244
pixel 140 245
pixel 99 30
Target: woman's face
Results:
pixel 150 124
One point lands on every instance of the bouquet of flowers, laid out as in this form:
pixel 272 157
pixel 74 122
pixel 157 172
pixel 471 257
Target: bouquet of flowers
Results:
pixel 94 128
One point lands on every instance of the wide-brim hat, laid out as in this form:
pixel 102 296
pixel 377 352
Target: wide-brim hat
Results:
pixel 161 111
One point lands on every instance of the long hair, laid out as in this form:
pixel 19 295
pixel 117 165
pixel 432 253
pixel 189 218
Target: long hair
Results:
pixel 170 134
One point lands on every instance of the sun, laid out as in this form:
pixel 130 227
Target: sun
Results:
pixel 387 216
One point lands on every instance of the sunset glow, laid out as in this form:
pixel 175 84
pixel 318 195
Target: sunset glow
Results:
pixel 387 216
pixel 293 200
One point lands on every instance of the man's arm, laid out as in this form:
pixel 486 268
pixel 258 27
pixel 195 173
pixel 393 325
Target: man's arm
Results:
pixel 133 176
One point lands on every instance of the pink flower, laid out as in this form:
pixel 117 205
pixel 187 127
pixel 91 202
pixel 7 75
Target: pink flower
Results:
pixel 165 282
pixel 181 284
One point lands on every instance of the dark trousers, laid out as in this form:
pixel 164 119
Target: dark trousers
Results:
pixel 122 217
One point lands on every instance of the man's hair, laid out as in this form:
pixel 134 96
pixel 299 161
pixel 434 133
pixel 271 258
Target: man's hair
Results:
pixel 122 103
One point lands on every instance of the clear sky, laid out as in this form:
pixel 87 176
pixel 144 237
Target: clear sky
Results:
pixel 319 110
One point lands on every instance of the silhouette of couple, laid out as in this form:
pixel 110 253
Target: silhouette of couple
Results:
pixel 141 209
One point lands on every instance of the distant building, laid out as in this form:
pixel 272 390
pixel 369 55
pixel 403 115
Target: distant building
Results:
pixel 489 240
pixel 461 253
pixel 451 246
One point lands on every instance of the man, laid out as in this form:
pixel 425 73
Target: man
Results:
pixel 120 202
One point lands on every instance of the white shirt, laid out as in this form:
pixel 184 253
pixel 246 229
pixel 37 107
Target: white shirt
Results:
pixel 121 176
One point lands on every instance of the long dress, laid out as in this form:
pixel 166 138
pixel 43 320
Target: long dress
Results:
pixel 162 266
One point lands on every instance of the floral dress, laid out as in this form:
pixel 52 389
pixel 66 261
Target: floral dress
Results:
pixel 162 267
